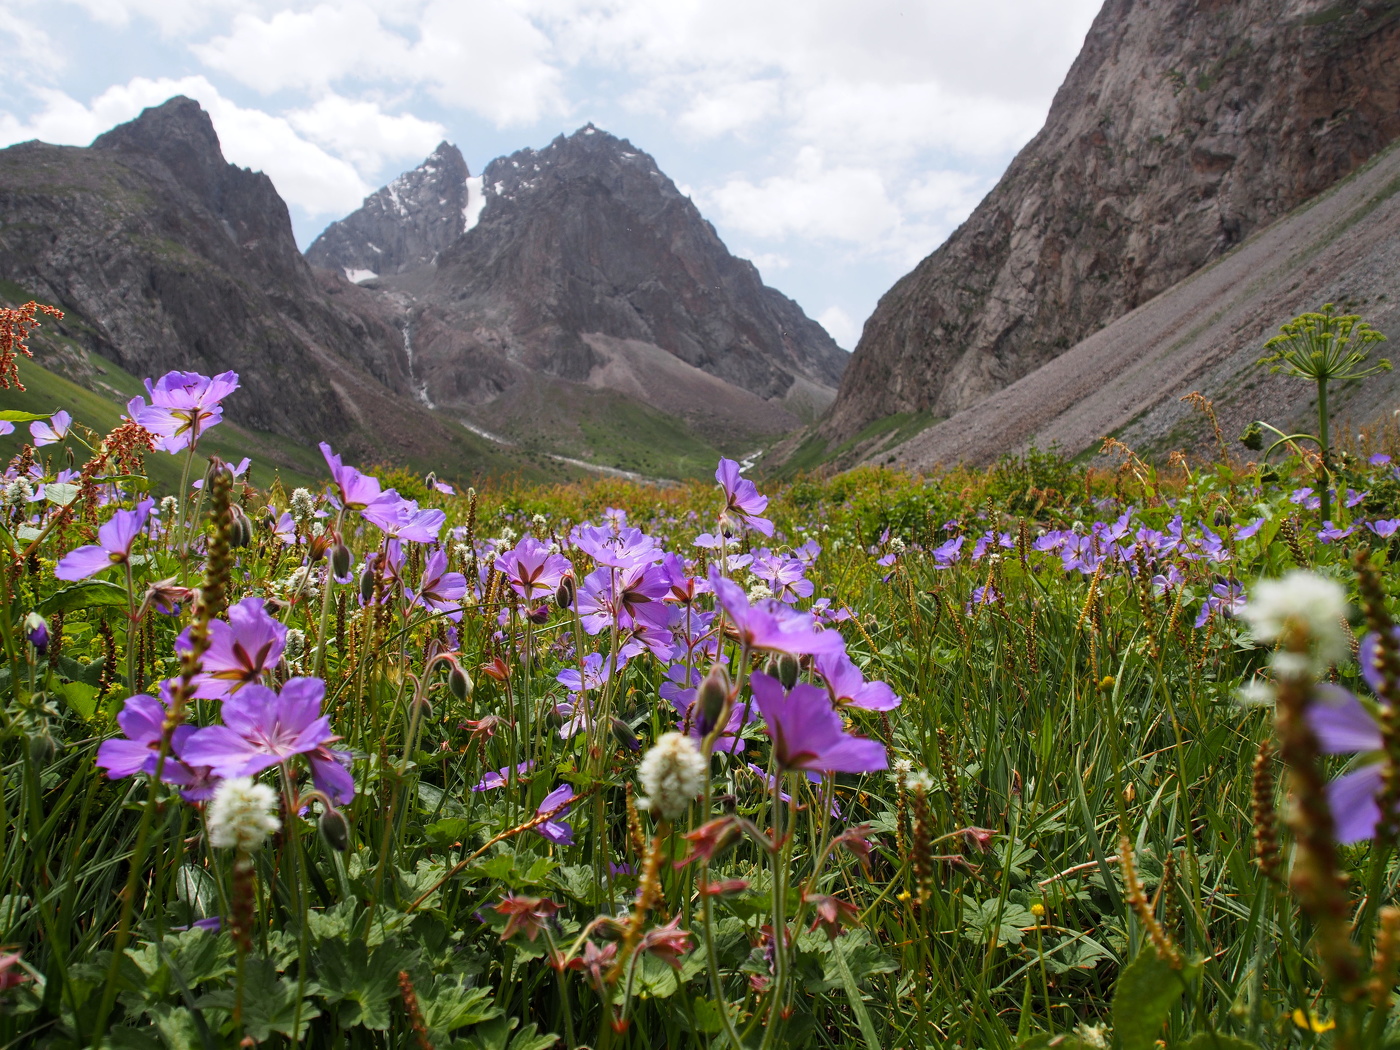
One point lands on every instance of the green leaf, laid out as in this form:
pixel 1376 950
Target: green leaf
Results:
pixel 83 596
pixel 11 415
pixel 269 1002
pixel 448 1005
pixel 1147 989
pixel 60 494
pixel 360 982
pixel 80 697
pixel 495 1035
pixel 1007 916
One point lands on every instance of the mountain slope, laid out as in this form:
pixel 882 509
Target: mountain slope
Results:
pixel 1182 127
pixel 166 256
pixel 1206 333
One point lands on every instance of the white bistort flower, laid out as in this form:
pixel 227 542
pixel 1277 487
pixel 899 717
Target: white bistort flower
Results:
pixel 303 506
pixel 241 814
pixel 672 775
pixel 1302 602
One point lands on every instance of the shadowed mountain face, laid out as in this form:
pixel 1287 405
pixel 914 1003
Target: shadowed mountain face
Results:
pixel 583 264
pixel 1183 126
pixel 404 225
pixel 166 256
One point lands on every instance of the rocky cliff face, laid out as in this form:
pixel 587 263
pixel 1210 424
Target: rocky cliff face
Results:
pixel 406 224
pixel 166 256
pixel 1183 126
pixel 587 262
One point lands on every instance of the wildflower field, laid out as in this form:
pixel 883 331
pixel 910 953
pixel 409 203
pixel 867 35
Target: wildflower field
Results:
pixel 1032 757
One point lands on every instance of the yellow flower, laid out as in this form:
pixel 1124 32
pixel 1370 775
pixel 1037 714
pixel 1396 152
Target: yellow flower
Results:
pixel 1308 1021
pixel 905 896
pixel 1037 909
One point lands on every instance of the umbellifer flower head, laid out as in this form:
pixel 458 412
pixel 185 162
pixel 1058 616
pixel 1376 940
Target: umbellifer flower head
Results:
pixel 672 774
pixel 1301 611
pixel 241 814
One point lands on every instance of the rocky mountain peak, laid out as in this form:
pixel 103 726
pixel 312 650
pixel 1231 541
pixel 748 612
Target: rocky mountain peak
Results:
pixel 177 139
pixel 405 225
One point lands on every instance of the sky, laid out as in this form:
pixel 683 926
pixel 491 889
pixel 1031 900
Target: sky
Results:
pixel 833 142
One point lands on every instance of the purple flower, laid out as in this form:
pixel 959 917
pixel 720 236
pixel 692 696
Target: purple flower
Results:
pixel 785 576
pixel 142 719
pixel 985 595
pixel 848 685
pixel 1249 531
pixel 240 651
pixel 500 777
pixel 595 673
pixel 183 406
pixel 1385 528
pixel 683 700
pixel 1330 533
pixel 630 598
pixel 772 625
pixel 357 491
pixel 1343 726
pixel 52 432
pixel 403 519
pixel 946 554
pixel 1380 459
pixel 620 549
pixel 440 590
pixel 113 547
pixel 1225 597
pixel 807 732
pixel 6 427
pixel 741 498
pixel 262 729
pixel 556 829
pixel 532 570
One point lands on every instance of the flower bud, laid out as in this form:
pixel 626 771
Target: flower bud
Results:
pixel 367 583
pixel 622 732
pixel 318 547
pixel 712 698
pixel 36 629
pixel 42 746
pixel 341 562
pixel 783 667
pixel 459 682
pixel 1253 437
pixel 240 528
pixel 335 829
pixel 564 596
pixel 539 614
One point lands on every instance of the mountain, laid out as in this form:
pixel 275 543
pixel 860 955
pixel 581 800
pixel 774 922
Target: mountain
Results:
pixel 584 277
pixel 1206 334
pixel 1183 127
pixel 404 225
pixel 166 256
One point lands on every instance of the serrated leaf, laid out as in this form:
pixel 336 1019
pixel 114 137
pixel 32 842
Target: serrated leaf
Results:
pixel 84 595
pixel 269 1002
pixel 80 697
pixel 360 982
pixel 1146 991
pixel 448 1005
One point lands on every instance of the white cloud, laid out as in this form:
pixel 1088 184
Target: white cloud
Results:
pixel 484 56
pixel 172 17
pixel 816 201
pixel 364 134
pixel 732 107
pixel 767 262
pixel 839 326
pixel 303 173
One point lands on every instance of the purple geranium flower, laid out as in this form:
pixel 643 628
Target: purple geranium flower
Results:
pixel 441 591
pixel 262 729
pixel 403 519
pixel 532 570
pixel 142 719
pixel 240 651
pixel 113 547
pixel 772 625
pixel 848 685
pixel 807 732
pixel 500 777
pixel 556 829
pixel 52 432
pixel 1343 726
pixel 1385 528
pixel 357 491
pixel 622 548
pixel 741 498
pixel 183 406
pixel 1225 598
